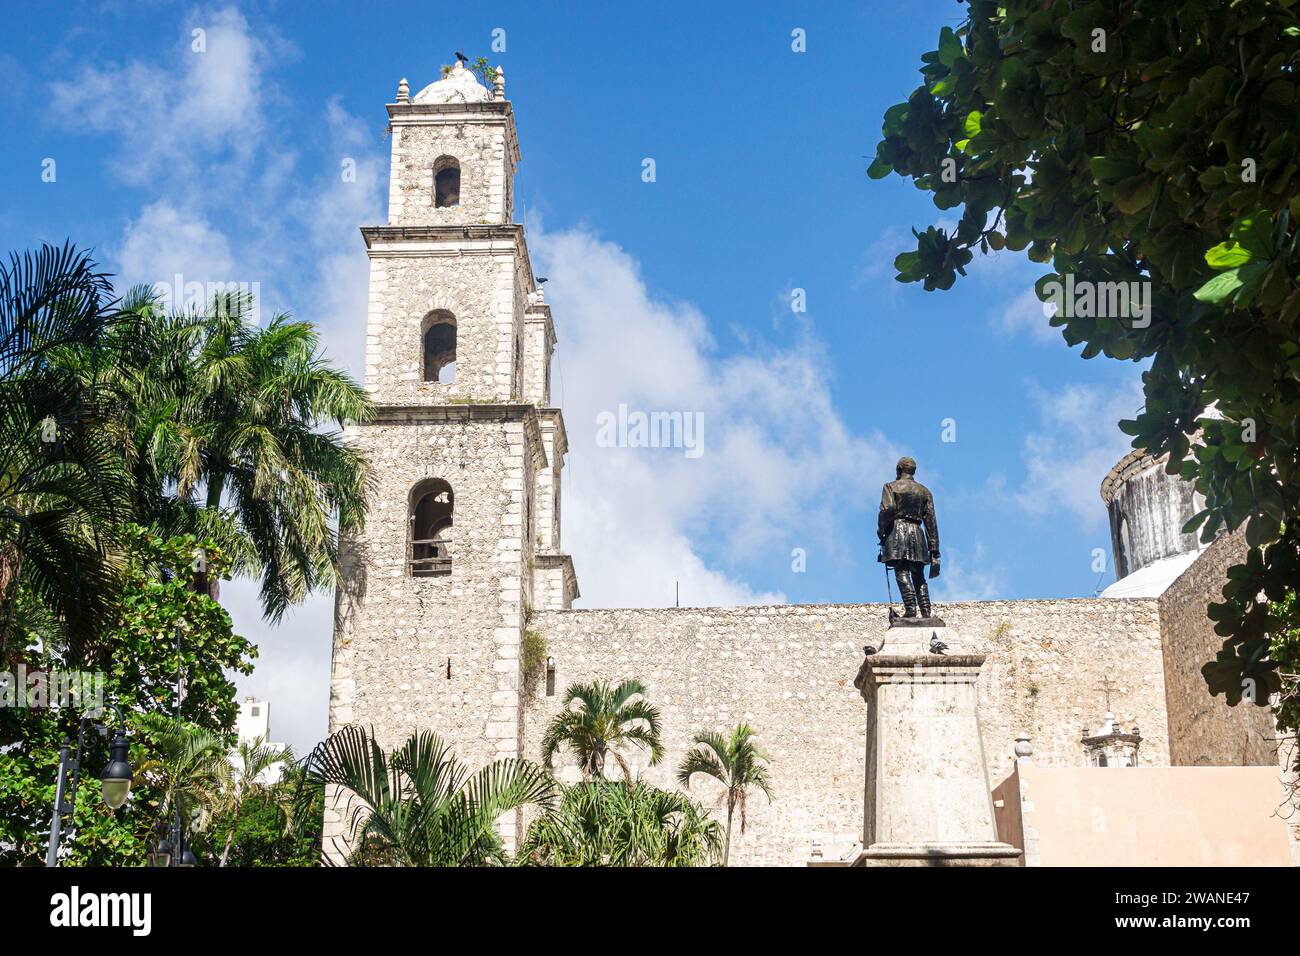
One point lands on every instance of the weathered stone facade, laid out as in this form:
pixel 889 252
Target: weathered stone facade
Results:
pixel 437 646
pixel 1052 667
pixel 1204 730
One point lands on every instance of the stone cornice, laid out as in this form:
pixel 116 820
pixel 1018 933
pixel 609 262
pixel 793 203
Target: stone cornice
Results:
pixel 431 233
pixel 446 114
pixel 555 418
pixel 414 236
pixel 1131 464
pixel 468 412
pixel 559 559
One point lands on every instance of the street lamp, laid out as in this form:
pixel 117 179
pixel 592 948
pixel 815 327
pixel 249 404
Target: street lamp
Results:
pixel 173 850
pixel 115 781
pixel 162 854
pixel 116 778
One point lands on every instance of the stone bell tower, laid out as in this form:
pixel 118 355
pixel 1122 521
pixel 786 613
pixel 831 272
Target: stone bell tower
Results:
pixel 462 531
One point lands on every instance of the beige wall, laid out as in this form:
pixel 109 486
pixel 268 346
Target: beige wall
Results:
pixel 1204 730
pixel 788 670
pixel 1148 816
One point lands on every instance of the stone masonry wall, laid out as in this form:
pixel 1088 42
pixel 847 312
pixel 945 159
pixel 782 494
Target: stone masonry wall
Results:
pixel 539 341
pixel 397 636
pixel 480 139
pixel 478 283
pixel 547 525
pixel 1204 730
pixel 788 670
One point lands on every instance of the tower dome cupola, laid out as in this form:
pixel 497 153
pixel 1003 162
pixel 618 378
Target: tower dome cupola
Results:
pixel 458 85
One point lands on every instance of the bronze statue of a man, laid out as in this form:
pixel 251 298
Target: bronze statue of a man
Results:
pixel 909 537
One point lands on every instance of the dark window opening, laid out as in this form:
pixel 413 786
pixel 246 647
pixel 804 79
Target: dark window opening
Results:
pixel 446 182
pixel 440 347
pixel 432 505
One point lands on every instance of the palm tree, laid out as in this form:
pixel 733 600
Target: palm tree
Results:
pixel 247 779
pixel 603 719
pixel 232 432
pixel 608 824
pixel 190 768
pixel 736 763
pixel 62 490
pixel 419 806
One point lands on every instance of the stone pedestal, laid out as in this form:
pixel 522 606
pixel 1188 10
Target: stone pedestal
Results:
pixel 928 800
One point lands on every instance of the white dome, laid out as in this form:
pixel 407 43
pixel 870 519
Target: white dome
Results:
pixel 458 86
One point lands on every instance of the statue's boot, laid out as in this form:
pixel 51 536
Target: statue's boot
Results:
pixel 923 597
pixel 907 591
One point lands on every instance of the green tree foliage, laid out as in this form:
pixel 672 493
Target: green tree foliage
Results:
pixel 1286 651
pixel 187 765
pixel 136 654
pixel 596 719
pixel 144 456
pixel 62 487
pixel 232 432
pixel 736 763
pixel 603 823
pixel 246 779
pixel 1144 143
pixel 262 832
pixel 419 805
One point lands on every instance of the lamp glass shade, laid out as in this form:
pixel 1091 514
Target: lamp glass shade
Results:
pixel 187 858
pixel 115 791
pixel 116 780
pixel 116 777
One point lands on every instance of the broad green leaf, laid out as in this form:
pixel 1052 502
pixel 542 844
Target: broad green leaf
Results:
pixel 1107 170
pixel 1255 233
pixel 950 48
pixel 944 86
pixel 879 169
pixel 1134 194
pixel 1219 288
pixel 1227 255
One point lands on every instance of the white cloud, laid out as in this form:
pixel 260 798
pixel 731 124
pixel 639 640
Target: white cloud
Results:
pixel 182 111
pixel 227 202
pixel 1024 314
pixel 163 242
pixel 778 461
pixel 349 194
pixel 1077 444
pixel 292 669
pixel 970 577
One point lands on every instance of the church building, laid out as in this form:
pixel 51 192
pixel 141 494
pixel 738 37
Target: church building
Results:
pixel 455 613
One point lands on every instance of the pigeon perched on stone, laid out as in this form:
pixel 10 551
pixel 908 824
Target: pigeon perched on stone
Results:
pixel 937 646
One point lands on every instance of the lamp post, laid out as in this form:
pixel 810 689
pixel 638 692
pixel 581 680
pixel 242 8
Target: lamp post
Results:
pixel 173 850
pixel 165 852
pixel 115 781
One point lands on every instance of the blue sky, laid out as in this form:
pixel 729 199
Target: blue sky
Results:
pixel 673 295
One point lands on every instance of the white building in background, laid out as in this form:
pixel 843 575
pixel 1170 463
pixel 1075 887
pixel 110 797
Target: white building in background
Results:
pixel 253 723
